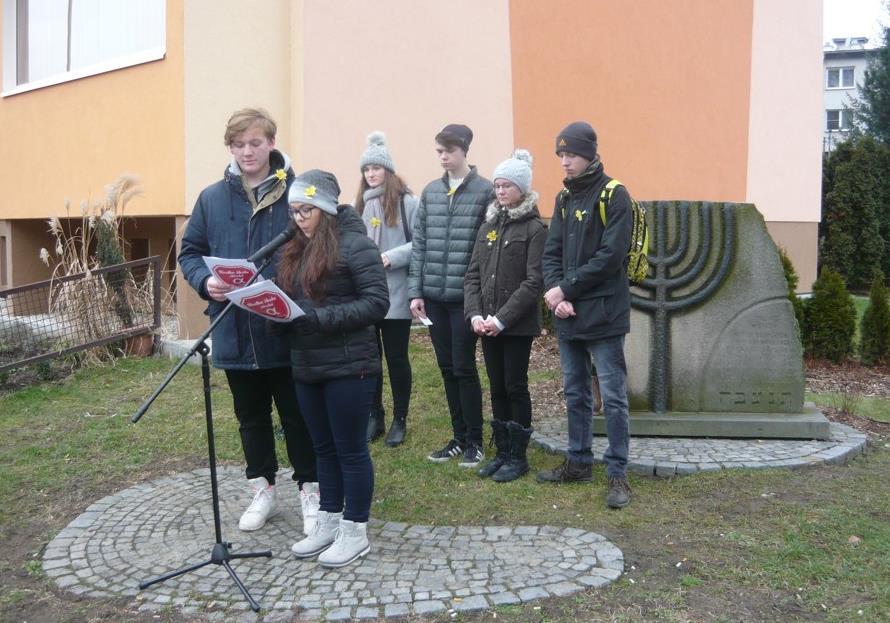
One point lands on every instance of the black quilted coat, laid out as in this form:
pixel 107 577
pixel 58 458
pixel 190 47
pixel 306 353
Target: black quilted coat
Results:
pixel 356 297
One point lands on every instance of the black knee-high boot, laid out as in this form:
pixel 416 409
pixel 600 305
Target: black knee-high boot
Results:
pixel 502 443
pixel 517 463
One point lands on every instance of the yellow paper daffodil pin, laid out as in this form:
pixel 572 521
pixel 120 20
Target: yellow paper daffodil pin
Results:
pixel 375 222
pixel 492 236
pixel 452 191
pixel 580 215
pixel 281 174
pixel 309 192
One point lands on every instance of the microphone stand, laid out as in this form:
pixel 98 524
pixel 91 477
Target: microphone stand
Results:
pixel 221 554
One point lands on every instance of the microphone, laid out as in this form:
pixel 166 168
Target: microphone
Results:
pixel 270 247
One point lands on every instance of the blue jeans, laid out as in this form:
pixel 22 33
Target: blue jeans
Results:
pixel 336 413
pixel 608 355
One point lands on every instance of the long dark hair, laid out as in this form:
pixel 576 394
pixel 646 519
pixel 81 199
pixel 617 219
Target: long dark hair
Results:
pixel 393 189
pixel 307 261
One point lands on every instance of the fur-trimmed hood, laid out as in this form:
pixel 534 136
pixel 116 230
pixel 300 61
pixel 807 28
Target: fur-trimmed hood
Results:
pixel 527 209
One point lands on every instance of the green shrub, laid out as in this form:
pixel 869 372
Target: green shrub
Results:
pixel 792 279
pixel 875 328
pixel 829 318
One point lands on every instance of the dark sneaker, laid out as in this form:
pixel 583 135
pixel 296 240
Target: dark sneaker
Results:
pixel 619 493
pixel 451 450
pixel 473 455
pixel 568 471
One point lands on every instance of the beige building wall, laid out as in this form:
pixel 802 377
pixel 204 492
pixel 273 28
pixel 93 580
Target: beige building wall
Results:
pixel 406 67
pixel 237 54
pixel 784 139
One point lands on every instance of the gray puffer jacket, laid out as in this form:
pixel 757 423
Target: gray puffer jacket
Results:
pixel 444 233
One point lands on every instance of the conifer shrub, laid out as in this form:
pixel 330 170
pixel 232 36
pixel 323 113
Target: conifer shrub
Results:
pixel 792 279
pixel 829 319
pixel 874 346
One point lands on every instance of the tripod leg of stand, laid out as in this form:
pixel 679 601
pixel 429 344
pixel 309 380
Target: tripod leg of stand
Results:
pixel 173 574
pixel 266 554
pixel 220 554
pixel 250 600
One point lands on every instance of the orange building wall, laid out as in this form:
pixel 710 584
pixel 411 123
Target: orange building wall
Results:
pixel 75 137
pixel 665 84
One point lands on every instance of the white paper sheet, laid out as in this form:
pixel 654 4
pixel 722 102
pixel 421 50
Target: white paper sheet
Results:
pixel 266 299
pixel 232 272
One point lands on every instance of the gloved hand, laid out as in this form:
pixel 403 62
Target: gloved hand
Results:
pixel 306 324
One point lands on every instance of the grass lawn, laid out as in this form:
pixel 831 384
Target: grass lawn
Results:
pixel 770 545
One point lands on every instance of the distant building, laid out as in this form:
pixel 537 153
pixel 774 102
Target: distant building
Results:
pixel 845 61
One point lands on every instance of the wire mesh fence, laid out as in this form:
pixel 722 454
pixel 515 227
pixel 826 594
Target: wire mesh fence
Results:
pixel 68 314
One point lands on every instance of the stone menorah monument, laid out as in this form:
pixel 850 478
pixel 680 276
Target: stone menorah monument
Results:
pixel 714 349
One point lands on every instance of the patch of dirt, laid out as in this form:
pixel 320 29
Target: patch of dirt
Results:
pixel 824 377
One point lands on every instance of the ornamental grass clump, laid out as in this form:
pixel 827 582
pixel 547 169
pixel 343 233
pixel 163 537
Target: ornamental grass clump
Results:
pixel 95 306
pixel 829 319
pixel 874 347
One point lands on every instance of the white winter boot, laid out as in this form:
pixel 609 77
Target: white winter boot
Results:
pixel 351 543
pixel 263 506
pixel 309 501
pixel 321 537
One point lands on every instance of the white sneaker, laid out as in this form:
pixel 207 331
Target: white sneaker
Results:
pixel 351 543
pixel 309 501
pixel 323 534
pixel 263 506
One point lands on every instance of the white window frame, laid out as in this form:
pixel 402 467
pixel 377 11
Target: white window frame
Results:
pixel 840 77
pixel 10 57
pixel 842 114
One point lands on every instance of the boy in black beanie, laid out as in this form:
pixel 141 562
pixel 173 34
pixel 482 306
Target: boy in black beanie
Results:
pixel 448 217
pixel 587 289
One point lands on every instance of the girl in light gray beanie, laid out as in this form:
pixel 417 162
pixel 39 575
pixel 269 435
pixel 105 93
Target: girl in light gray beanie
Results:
pixel 388 208
pixel 502 292
pixel 517 169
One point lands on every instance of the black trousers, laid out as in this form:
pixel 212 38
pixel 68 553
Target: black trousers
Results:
pixel 506 360
pixel 253 392
pixel 392 341
pixel 455 346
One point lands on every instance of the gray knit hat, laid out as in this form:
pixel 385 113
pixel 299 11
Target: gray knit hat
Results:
pixel 377 153
pixel 317 188
pixel 516 169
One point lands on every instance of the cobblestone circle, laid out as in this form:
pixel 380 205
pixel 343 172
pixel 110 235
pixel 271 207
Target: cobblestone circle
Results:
pixel 160 526
pixel 666 456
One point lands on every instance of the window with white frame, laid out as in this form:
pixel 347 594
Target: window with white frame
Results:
pixel 841 120
pixel 50 41
pixel 839 77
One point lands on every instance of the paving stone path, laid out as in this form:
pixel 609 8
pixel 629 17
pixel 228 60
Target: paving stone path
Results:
pixel 664 456
pixel 163 525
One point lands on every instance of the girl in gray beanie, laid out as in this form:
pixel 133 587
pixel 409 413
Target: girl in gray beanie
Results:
pixel 388 208
pixel 503 288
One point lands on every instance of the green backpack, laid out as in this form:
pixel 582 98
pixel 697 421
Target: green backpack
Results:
pixel 637 254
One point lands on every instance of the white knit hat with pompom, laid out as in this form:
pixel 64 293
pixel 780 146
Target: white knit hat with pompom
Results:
pixel 377 153
pixel 516 169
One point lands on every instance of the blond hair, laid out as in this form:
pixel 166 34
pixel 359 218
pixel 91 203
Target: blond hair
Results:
pixel 243 119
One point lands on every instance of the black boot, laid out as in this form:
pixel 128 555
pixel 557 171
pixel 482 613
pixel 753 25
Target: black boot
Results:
pixel 376 424
pixel 397 432
pixel 502 443
pixel 517 463
pixel 568 471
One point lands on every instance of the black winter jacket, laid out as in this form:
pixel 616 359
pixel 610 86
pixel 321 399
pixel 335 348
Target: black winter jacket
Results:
pixel 224 224
pixel 504 278
pixel 589 261
pixel 444 232
pixel 355 298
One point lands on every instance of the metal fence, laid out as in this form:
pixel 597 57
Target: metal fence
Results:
pixel 68 314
